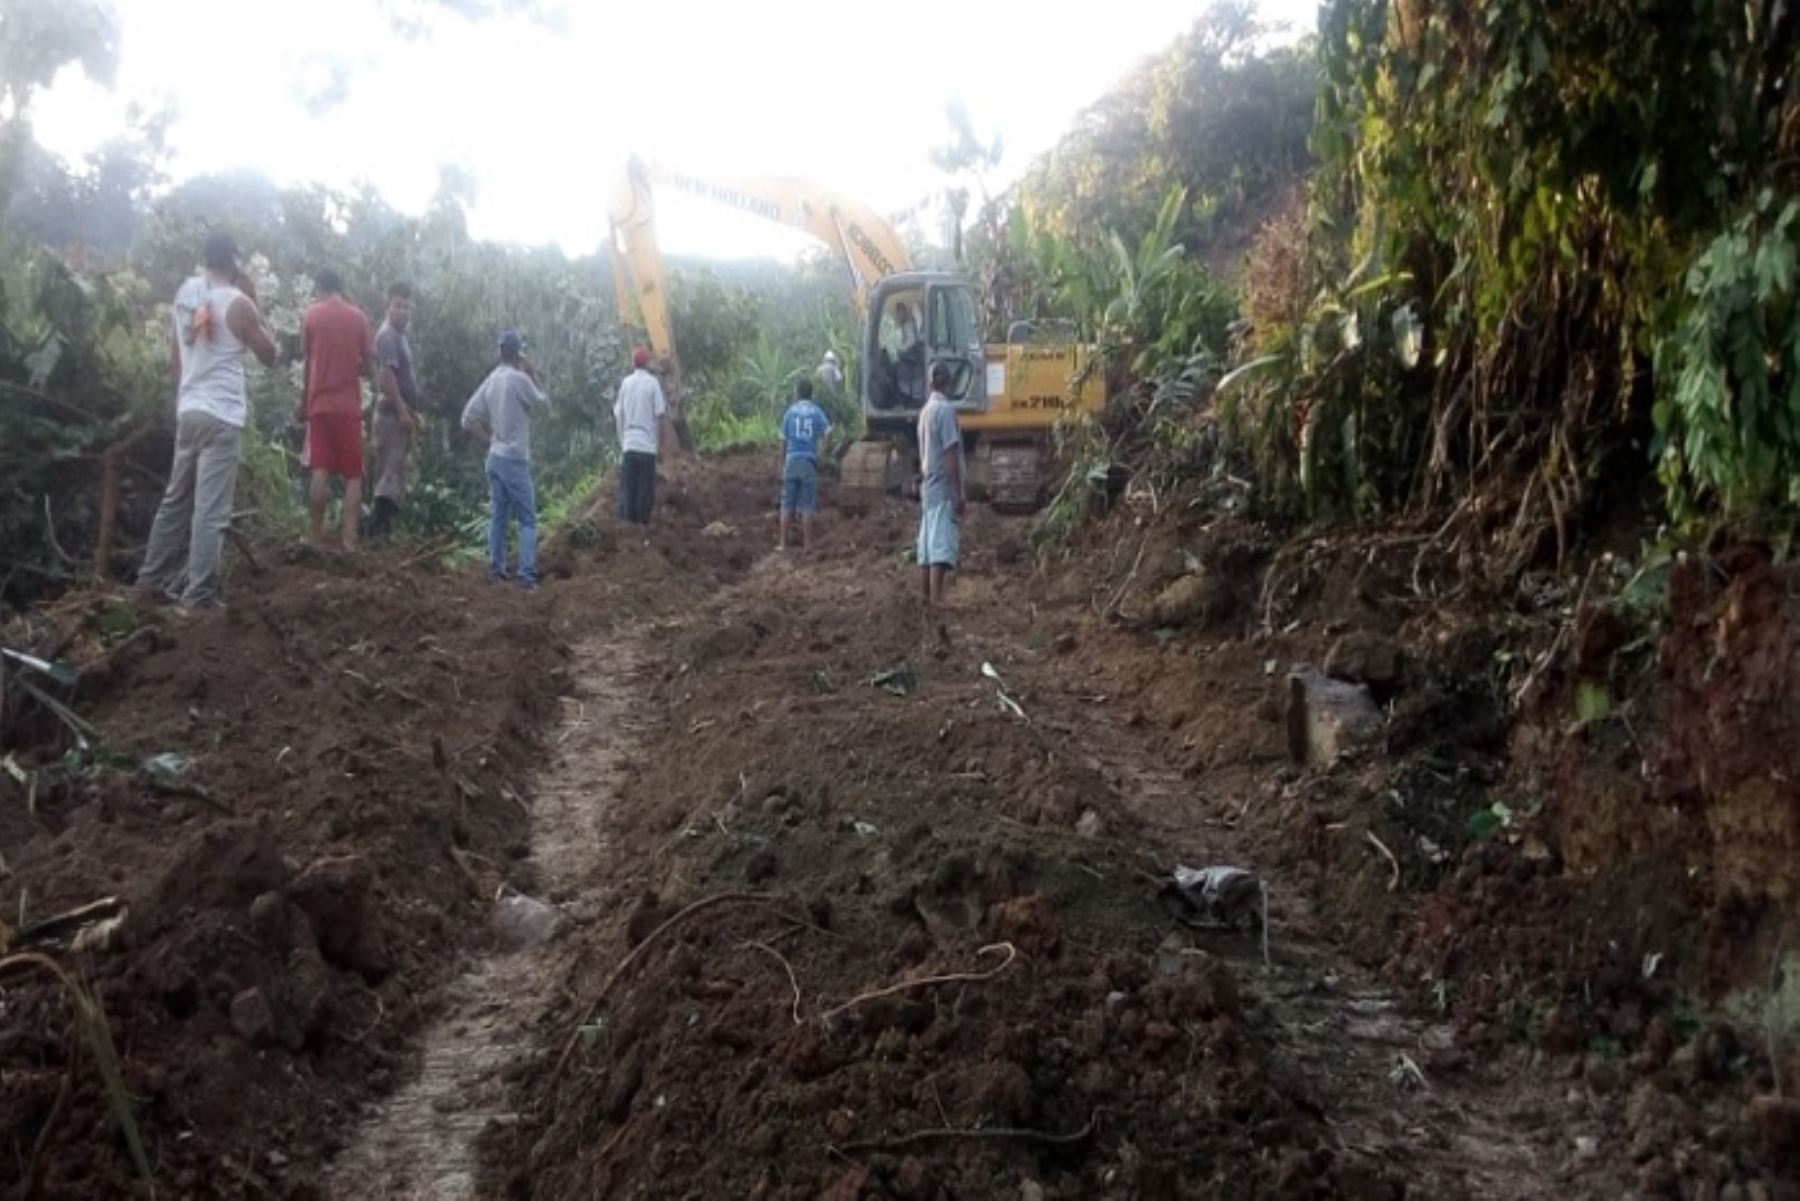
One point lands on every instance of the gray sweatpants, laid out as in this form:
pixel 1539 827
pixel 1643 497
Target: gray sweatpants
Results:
pixel 187 539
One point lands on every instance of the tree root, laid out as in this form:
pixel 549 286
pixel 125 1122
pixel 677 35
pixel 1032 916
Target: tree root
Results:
pixel 794 980
pixel 952 1132
pixel 637 952
pixel 1007 948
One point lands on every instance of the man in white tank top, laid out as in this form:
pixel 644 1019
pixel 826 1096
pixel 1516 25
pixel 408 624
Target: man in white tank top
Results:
pixel 215 321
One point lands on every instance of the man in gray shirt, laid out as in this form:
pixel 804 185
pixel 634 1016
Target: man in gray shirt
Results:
pixel 500 414
pixel 394 425
pixel 940 489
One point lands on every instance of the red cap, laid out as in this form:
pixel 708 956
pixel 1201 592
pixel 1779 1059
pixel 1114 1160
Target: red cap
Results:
pixel 640 357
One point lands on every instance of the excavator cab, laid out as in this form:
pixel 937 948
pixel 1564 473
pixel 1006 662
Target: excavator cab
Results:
pixel 915 321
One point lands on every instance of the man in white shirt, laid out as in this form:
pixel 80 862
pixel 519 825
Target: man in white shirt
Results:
pixel 638 414
pixel 216 322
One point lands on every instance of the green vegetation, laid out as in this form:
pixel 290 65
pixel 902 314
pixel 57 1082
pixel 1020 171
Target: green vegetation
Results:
pixel 1473 268
pixel 747 333
pixel 1546 252
pixel 1543 253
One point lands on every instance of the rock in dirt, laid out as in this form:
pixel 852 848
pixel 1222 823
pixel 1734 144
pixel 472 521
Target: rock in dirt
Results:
pixel 994 1094
pixel 912 1180
pixel 521 922
pixel 847 1187
pixel 761 866
pixel 1028 922
pixel 1089 825
pixel 338 897
pixel 949 901
pixel 1561 1031
pixel 1326 717
pixel 1776 1121
pixel 646 916
pixel 1366 658
pixel 1195 599
pixel 252 1017
pixel 622 1085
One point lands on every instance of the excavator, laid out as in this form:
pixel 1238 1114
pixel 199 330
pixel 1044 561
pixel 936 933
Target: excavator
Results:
pixel 1007 396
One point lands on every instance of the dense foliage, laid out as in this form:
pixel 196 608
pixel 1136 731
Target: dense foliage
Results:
pixel 747 332
pixel 1549 243
pixel 1545 250
pixel 1214 114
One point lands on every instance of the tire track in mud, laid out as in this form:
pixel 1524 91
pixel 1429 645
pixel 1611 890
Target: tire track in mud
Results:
pixel 420 1143
pixel 1361 1055
pixel 1348 1035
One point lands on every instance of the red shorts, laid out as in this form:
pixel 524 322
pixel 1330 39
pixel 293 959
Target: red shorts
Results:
pixel 334 444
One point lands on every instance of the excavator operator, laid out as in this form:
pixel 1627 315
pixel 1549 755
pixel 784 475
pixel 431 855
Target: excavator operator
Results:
pixel 902 358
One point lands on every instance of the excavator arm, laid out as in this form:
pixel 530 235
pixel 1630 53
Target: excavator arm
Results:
pixel 865 242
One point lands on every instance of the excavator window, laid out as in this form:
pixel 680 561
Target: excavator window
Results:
pixel 953 328
pixel 900 381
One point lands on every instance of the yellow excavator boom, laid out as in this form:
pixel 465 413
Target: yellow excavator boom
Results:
pixel 862 238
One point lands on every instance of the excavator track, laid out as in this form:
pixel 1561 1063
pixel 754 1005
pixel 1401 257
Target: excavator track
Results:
pixel 1015 475
pixel 869 471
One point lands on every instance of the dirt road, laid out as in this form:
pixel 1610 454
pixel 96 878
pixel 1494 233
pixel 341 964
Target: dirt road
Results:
pixel 980 807
pixel 840 903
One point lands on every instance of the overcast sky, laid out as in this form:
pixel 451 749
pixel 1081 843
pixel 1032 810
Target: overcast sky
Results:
pixel 544 104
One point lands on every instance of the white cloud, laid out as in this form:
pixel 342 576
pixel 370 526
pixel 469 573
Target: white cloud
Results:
pixel 846 93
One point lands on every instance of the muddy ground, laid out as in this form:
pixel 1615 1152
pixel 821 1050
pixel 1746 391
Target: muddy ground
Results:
pixel 935 957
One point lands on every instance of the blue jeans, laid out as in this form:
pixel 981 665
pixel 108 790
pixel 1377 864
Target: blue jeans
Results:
pixel 509 487
pixel 800 486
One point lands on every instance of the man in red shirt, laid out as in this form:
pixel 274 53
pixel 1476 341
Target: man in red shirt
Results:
pixel 340 351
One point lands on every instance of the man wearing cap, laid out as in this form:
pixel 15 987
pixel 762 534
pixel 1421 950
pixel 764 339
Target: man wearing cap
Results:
pixel 638 414
pixel 831 376
pixel 215 321
pixel 339 352
pixel 500 414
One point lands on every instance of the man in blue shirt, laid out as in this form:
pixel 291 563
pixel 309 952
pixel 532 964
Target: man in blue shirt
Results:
pixel 803 429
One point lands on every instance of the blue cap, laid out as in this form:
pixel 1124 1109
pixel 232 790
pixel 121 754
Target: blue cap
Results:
pixel 510 341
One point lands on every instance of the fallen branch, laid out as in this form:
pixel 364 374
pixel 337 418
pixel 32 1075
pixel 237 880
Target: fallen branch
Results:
pixel 91 1025
pixel 81 729
pixel 439 547
pixel 50 535
pixel 637 952
pixel 1394 863
pixel 1129 577
pixel 57 929
pixel 1011 952
pixel 109 498
pixel 953 1132
pixel 32 1165
pixel 766 949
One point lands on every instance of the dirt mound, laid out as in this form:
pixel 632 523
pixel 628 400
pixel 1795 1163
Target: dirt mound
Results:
pixel 960 982
pixel 291 888
pixel 345 760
